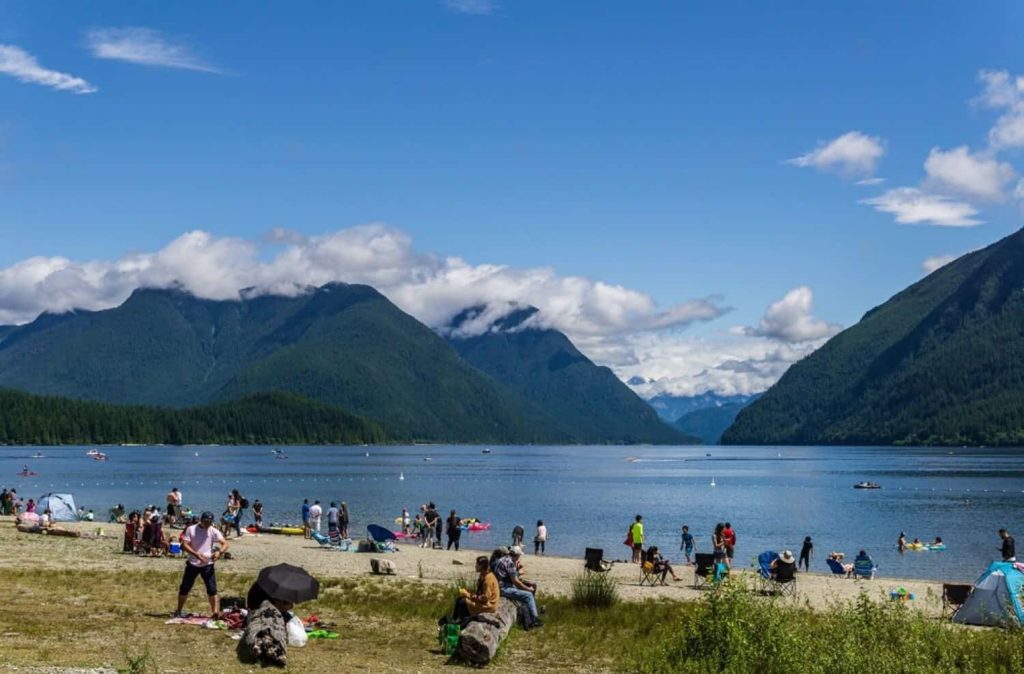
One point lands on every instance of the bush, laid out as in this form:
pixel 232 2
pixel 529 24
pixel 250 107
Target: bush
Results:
pixel 733 630
pixel 594 590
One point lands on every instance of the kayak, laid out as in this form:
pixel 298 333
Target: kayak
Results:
pixel 285 531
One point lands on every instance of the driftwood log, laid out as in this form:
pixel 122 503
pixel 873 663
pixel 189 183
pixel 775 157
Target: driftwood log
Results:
pixel 265 639
pixel 479 640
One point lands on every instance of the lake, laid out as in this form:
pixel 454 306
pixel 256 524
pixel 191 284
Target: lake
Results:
pixel 587 496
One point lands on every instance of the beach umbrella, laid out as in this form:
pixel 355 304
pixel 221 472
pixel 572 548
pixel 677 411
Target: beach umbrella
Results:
pixel 288 583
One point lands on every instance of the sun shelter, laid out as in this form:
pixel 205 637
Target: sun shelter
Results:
pixel 61 507
pixel 996 599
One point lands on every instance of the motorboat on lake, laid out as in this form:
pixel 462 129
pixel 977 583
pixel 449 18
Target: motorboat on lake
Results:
pixel 93 452
pixel 867 485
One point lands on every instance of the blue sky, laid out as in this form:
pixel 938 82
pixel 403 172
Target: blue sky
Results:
pixel 643 145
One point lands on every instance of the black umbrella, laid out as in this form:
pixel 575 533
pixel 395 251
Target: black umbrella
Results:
pixel 288 583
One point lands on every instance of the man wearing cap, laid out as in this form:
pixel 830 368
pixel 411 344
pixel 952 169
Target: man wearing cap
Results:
pixel 204 545
pixel 512 586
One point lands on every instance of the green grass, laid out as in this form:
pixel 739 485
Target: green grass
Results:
pixel 594 590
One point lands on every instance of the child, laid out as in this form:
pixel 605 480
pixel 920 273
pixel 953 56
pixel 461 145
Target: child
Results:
pixel 687 545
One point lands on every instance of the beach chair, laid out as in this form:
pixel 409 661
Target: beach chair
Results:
pixel 382 538
pixel 954 595
pixel 647 575
pixel 836 567
pixel 864 567
pixel 703 569
pixel 764 570
pixel 784 581
pixel 594 560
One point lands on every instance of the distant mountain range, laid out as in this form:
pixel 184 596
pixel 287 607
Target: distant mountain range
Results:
pixel 940 363
pixel 671 407
pixel 345 346
pixel 542 365
pixel 709 423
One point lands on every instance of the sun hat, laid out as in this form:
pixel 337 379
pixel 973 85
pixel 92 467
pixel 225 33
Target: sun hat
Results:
pixel 516 550
pixel 786 556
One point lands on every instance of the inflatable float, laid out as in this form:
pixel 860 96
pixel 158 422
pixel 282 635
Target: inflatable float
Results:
pixel 478 526
pixel 917 546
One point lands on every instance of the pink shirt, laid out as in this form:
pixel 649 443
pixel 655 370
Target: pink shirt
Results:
pixel 201 540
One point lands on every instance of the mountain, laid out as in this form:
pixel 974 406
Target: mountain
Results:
pixel 589 402
pixel 940 363
pixel 709 423
pixel 264 418
pixel 6 330
pixel 342 345
pixel 671 407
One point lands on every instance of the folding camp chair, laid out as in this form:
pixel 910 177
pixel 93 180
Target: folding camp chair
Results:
pixel 764 570
pixel 594 560
pixel 836 567
pixel 954 595
pixel 784 581
pixel 704 569
pixel 647 575
pixel 864 567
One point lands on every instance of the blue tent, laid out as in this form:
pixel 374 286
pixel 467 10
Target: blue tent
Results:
pixel 61 507
pixel 996 598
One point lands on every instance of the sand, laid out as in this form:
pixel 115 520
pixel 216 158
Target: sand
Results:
pixel 553 574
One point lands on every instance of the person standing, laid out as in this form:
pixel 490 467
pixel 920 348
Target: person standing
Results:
pixel 343 520
pixel 686 545
pixel 805 554
pixel 257 513
pixel 540 539
pixel 730 543
pixel 718 544
pixel 333 531
pixel 204 545
pixel 405 521
pixel 305 518
pixel 454 530
pixel 637 535
pixel 433 520
pixel 230 517
pixel 173 506
pixel 242 503
pixel 315 511
pixel 518 532
pixel 1008 548
pixel 901 543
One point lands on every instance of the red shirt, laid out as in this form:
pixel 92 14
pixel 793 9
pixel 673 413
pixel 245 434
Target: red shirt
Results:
pixel 730 537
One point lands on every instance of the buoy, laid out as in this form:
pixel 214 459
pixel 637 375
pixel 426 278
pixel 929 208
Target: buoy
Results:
pixel 401 476
pixel 713 482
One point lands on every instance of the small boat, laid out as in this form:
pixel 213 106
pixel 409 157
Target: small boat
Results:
pixel 486 451
pixel 867 485
pixel 38 455
pixel 708 454
pixel 92 452
pixel 401 476
pixel 427 458
pixel 99 456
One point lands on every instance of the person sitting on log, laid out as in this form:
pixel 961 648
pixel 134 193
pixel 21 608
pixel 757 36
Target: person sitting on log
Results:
pixel 512 586
pixel 486 597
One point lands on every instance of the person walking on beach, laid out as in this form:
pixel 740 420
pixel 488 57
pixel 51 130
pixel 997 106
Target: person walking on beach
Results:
pixel 315 512
pixel 805 554
pixel 343 520
pixel 540 539
pixel 1008 548
pixel 687 544
pixel 305 518
pixel 637 535
pixel 204 545
pixel 454 531
pixel 730 543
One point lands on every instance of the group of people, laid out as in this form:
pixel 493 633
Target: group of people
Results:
pixel 500 575
pixel 11 503
pixel 337 518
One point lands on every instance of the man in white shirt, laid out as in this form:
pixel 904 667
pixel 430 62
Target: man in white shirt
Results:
pixel 315 511
pixel 205 544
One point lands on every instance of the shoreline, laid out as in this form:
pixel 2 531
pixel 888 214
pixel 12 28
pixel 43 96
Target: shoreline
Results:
pixel 554 574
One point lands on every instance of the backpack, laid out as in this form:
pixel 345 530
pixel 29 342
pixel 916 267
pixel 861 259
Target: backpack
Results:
pixel 245 502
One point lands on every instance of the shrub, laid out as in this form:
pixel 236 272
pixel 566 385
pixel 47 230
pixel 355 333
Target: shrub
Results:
pixel 594 590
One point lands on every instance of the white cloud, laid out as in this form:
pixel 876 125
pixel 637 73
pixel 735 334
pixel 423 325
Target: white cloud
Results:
pixel 867 182
pixel 791 320
pixel 478 7
pixel 1003 92
pixel 22 66
pixel 937 261
pixel 975 175
pixel 852 153
pixel 910 205
pixel 144 46
pixel 430 287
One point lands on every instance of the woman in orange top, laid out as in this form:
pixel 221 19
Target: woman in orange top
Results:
pixel 487 595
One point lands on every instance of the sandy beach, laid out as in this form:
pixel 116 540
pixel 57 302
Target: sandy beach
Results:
pixel 553 574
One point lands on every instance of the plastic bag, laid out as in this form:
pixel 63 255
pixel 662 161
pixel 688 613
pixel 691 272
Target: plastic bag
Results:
pixel 296 633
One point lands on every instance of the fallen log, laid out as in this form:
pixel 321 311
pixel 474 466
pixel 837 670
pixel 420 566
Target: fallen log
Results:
pixel 479 640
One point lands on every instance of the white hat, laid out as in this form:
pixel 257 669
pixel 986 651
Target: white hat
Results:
pixel 786 556
pixel 516 550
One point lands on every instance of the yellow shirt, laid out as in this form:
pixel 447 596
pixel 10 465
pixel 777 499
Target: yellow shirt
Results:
pixel 491 596
pixel 638 533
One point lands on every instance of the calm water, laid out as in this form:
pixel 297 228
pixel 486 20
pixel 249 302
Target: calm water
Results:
pixel 588 495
